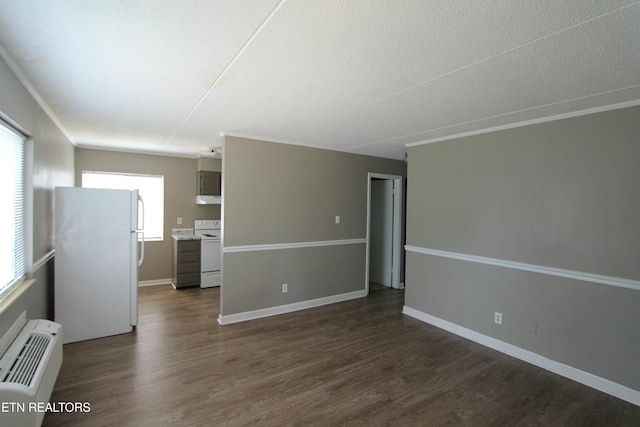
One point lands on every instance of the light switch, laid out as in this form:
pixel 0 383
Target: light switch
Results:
pixel 337 219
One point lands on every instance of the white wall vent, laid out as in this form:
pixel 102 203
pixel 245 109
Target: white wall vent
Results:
pixel 31 359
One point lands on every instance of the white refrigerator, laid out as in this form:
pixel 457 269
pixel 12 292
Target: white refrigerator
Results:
pixel 99 245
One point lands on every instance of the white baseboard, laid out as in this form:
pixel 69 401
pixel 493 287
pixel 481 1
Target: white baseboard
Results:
pixel 593 381
pixel 288 308
pixel 400 286
pixel 154 282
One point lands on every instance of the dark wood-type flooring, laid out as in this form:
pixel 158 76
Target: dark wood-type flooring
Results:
pixel 359 363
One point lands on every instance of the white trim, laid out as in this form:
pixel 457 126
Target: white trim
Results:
pixel 29 265
pixel 398 203
pixel 347 150
pixel 552 271
pixel 614 389
pixel 13 66
pixel 278 246
pixel 528 122
pixel 383 176
pixel 42 261
pixel 274 140
pixel 288 308
pixel 151 152
pixel 14 294
pixel 143 283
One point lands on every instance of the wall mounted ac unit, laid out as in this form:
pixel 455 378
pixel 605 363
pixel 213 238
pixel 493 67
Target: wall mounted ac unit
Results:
pixel 31 359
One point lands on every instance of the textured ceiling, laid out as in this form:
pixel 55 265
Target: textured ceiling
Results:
pixel 363 76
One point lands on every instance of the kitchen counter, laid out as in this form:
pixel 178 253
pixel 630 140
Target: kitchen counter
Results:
pixel 183 234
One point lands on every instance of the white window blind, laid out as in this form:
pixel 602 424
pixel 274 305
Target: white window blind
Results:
pixel 12 260
pixel 150 188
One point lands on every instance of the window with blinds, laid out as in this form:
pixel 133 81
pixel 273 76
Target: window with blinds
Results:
pixel 12 260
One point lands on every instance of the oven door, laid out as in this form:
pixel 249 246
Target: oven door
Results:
pixel 210 255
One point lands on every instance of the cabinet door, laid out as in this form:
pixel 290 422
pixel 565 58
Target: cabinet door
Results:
pixel 187 268
pixel 209 183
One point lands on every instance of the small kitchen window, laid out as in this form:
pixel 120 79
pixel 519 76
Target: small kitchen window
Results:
pixel 150 188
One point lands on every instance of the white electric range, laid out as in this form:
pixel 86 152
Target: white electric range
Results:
pixel 208 230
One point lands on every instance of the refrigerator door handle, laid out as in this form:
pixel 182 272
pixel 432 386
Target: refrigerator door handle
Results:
pixel 140 231
pixel 141 203
pixel 141 247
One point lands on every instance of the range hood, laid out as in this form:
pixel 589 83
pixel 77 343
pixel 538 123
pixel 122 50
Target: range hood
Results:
pixel 208 200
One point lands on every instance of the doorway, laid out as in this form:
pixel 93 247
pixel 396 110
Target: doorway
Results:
pixel 384 231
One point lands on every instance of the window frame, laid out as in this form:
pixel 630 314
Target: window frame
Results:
pixel 23 246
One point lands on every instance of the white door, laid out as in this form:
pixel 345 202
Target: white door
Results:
pixel 381 243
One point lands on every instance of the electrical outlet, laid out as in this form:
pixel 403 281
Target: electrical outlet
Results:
pixel 179 221
pixel 497 318
pixel 285 288
pixel 337 219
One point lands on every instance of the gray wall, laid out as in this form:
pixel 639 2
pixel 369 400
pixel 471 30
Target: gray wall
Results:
pixel 53 165
pixel 561 194
pixel 277 193
pixel 179 196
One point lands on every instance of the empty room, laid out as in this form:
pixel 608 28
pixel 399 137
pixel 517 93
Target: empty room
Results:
pixel 287 212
